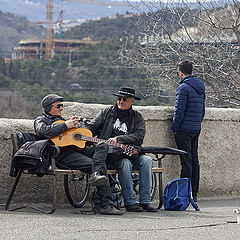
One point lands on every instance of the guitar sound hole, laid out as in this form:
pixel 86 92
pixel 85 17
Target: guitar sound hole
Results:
pixel 77 137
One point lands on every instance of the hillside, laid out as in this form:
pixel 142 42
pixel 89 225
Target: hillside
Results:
pixel 95 74
pixel 104 29
pixel 35 10
pixel 120 26
pixel 12 29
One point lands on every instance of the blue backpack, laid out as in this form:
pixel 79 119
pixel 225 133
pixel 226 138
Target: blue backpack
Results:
pixel 178 195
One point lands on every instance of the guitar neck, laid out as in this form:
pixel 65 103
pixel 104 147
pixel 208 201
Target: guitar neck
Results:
pixel 96 140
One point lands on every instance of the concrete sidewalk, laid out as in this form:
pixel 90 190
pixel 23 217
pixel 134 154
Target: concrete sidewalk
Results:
pixel 215 220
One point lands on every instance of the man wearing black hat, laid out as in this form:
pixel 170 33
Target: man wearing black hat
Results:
pixel 93 158
pixel 121 124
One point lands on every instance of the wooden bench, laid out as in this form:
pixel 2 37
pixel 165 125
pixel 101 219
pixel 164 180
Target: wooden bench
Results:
pixel 71 196
pixel 159 152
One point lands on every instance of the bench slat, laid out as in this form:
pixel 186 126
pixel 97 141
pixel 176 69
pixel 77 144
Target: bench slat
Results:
pixel 156 170
pixel 63 171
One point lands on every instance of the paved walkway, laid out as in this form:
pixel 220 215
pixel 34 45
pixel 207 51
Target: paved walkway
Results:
pixel 215 220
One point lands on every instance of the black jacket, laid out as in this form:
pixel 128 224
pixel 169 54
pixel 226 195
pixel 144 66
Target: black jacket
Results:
pixel 190 106
pixel 45 129
pixel 34 156
pixel 102 126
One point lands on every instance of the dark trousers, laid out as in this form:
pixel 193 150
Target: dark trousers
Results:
pixel 92 159
pixel 190 165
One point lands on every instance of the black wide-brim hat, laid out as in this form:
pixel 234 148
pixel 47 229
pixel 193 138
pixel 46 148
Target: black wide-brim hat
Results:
pixel 126 92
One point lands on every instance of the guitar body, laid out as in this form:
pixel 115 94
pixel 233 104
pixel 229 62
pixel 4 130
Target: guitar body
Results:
pixel 79 136
pixel 71 137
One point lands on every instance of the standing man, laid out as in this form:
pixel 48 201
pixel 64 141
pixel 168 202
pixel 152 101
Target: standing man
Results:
pixel 121 124
pixel 188 115
pixel 91 160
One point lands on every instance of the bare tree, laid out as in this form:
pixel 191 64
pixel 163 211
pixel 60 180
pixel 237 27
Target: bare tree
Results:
pixel 204 32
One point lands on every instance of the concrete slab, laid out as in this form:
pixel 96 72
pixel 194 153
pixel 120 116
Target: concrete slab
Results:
pixel 215 220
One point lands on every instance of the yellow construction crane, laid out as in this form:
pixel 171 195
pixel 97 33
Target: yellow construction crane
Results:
pixel 49 22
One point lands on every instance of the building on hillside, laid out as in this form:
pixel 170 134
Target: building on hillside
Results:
pixel 189 35
pixel 35 48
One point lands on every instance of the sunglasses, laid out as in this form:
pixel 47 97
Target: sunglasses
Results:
pixel 122 98
pixel 59 105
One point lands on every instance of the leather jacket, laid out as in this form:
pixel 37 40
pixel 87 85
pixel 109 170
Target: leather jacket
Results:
pixel 45 129
pixel 102 126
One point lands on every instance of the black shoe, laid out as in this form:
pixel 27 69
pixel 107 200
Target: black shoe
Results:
pixel 148 208
pixel 96 179
pixel 110 210
pixel 195 197
pixel 134 208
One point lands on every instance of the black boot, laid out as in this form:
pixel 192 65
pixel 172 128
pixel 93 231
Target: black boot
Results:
pixel 110 210
pixel 148 208
pixel 134 208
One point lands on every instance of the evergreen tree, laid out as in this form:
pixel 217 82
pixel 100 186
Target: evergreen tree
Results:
pixel 11 70
pixel 2 66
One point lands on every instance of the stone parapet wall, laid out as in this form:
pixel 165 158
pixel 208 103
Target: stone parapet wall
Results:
pixel 219 150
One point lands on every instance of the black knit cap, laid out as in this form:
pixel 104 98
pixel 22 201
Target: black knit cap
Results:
pixel 48 100
pixel 126 92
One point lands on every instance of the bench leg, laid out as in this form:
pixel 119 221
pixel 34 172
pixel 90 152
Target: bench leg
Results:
pixel 160 184
pixel 54 198
pixel 160 190
pixel 13 190
pixel 52 210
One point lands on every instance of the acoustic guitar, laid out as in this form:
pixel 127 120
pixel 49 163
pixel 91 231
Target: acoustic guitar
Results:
pixel 79 136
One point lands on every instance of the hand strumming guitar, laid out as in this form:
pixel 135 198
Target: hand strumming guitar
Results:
pixel 73 122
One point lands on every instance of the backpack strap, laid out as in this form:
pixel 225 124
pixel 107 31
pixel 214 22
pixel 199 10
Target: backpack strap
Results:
pixel 176 191
pixel 195 206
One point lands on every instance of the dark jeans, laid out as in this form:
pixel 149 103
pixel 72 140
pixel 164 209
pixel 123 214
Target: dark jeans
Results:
pixel 190 165
pixel 92 159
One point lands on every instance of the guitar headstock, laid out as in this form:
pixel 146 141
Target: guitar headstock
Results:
pixel 128 153
pixel 128 150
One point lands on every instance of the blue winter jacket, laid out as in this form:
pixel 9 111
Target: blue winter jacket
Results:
pixel 190 106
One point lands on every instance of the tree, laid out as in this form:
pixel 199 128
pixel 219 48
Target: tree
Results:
pixel 3 66
pixel 11 70
pixel 204 32
pixel 5 82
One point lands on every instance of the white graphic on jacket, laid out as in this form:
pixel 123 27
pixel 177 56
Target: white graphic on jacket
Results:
pixel 120 126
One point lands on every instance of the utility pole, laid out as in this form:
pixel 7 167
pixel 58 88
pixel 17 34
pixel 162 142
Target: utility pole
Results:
pixel 49 40
pixel 70 59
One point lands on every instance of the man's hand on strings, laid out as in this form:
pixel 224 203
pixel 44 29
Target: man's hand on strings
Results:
pixel 73 122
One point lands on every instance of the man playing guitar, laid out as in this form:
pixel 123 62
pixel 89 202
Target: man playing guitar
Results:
pixel 90 160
